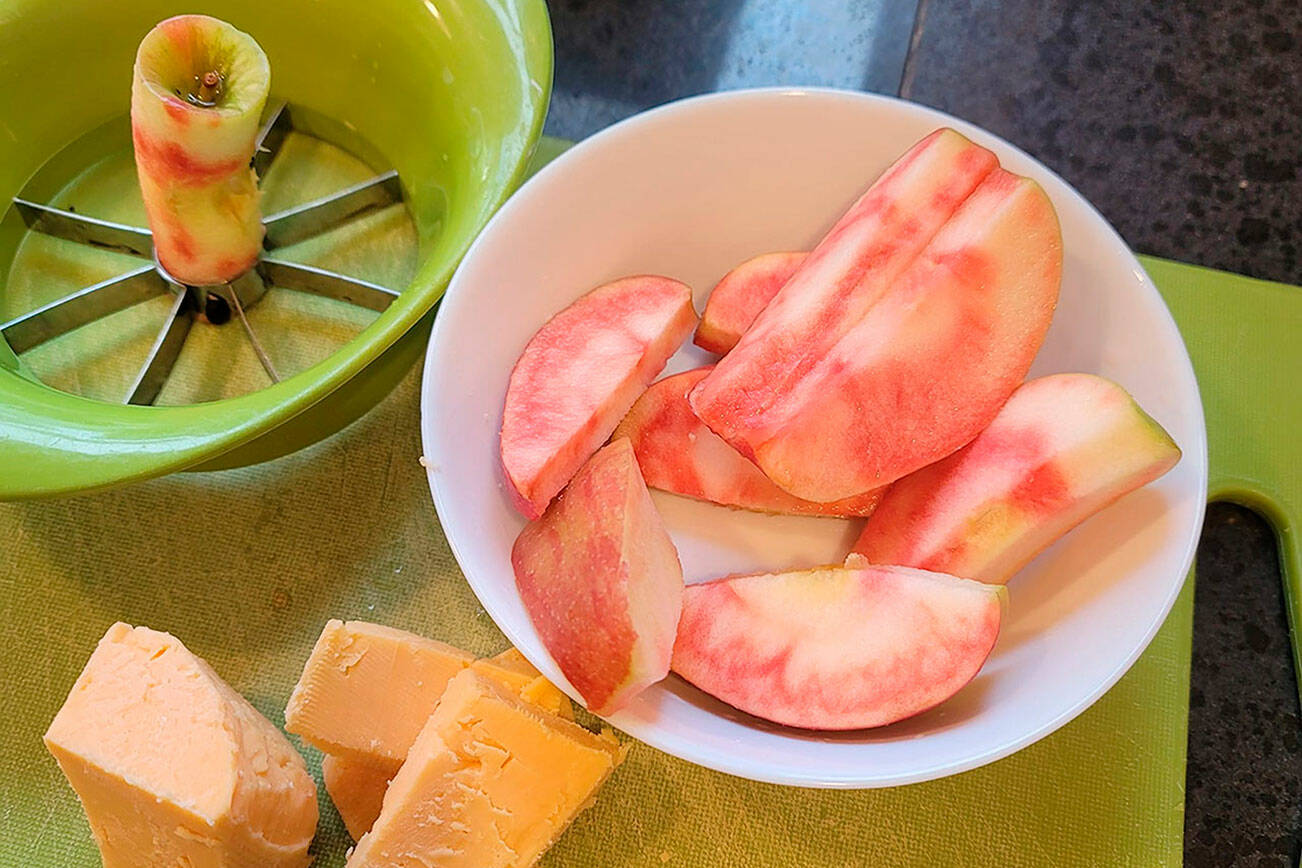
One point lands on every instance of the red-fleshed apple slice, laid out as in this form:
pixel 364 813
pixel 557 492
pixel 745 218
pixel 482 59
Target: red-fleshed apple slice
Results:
pixel 193 143
pixel 926 367
pixel 601 581
pixel 1061 449
pixel 836 647
pixel 677 453
pixel 838 282
pixel 580 374
pixel 736 300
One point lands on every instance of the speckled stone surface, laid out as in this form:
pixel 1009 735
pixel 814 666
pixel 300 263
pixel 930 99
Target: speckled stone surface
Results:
pixel 617 57
pixel 1244 797
pixel 1181 121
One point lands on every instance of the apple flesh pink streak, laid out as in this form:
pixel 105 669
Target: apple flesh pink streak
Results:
pixel 924 366
pixel 736 300
pixel 601 581
pixel 836 648
pixel 839 282
pixel 192 161
pixel 931 364
pixel 1061 449
pixel 580 374
pixel 677 453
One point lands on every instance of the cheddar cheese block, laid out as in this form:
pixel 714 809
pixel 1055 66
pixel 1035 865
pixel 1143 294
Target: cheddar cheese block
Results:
pixel 357 791
pixel 173 767
pixel 357 788
pixel 490 782
pixel 367 690
pixel 512 670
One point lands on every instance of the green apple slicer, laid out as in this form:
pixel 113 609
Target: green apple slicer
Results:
pixel 214 304
pixel 391 133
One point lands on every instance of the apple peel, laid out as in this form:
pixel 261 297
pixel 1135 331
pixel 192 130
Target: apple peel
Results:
pixel 601 581
pixel 1062 448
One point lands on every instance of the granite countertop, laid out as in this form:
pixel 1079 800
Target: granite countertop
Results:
pixel 1181 122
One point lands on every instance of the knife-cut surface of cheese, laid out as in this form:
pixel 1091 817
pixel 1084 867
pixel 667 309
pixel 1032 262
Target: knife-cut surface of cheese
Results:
pixel 491 782
pixel 173 767
pixel 512 670
pixel 357 790
pixel 367 690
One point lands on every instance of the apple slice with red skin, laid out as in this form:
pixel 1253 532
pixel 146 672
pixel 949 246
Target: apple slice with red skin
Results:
pixel 601 581
pixel 736 300
pixel 922 370
pixel 844 277
pixel 836 648
pixel 1062 448
pixel 580 374
pixel 677 453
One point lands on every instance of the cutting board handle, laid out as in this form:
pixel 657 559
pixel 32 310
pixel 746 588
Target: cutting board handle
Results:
pixel 1286 520
pixel 1242 336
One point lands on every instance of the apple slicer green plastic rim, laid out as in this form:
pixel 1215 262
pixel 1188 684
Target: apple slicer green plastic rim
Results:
pixel 452 92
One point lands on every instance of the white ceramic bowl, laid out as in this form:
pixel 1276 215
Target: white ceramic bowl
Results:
pixel 691 189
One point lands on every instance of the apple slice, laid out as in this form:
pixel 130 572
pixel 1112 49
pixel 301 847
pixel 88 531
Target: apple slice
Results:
pixel 1061 449
pixel 836 647
pixel 601 581
pixel 580 374
pixel 193 143
pixel 677 453
pixel 841 280
pixel 737 299
pixel 923 370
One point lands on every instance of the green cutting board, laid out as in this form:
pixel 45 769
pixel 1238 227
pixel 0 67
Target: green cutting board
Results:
pixel 1245 338
pixel 246 565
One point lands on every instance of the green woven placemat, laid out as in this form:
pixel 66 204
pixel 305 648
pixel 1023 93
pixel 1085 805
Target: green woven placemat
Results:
pixel 246 565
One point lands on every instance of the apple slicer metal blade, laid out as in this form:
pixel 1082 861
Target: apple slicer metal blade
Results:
pixel 215 304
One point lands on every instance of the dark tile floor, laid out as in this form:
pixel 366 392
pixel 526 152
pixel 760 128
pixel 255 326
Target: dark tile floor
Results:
pixel 1179 120
pixel 617 57
pixel 1244 790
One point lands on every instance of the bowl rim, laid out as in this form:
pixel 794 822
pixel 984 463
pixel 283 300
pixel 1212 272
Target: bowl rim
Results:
pixel 727 763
